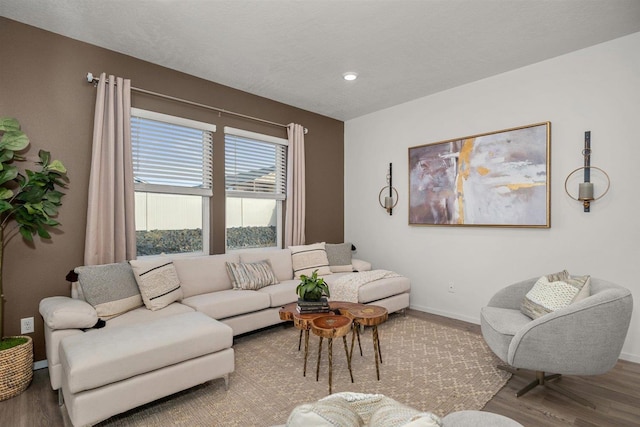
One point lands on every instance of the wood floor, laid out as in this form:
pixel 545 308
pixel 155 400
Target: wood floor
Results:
pixel 615 394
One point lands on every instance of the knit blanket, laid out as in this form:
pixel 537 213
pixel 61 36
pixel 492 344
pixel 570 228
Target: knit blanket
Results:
pixel 345 288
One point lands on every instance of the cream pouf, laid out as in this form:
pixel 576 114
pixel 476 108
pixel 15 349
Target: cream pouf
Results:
pixel 376 410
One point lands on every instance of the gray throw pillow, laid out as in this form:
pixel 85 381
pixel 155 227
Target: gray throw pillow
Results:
pixel 110 288
pixel 339 256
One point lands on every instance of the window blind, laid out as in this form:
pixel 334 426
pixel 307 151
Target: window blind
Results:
pixel 255 168
pixel 170 157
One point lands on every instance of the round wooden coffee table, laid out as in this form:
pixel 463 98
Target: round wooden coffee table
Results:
pixel 331 327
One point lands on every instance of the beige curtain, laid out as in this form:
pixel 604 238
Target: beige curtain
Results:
pixel 294 221
pixel 110 235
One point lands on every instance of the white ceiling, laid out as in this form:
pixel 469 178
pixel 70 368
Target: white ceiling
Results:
pixel 295 51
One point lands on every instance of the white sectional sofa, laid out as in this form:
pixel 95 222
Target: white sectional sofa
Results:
pixel 206 288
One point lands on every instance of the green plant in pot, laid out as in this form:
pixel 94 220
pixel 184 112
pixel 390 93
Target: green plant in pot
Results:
pixel 312 288
pixel 29 203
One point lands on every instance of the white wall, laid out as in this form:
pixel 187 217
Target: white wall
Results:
pixel 596 89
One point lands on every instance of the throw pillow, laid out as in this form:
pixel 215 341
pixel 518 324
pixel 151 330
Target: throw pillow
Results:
pixel 339 256
pixel 308 258
pixel 251 275
pixel 554 292
pixel 67 313
pixel 158 282
pixel 110 288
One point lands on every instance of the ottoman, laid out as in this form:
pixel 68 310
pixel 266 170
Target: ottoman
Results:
pixel 111 370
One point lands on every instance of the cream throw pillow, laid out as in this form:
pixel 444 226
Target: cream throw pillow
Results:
pixel 308 258
pixel 553 292
pixel 158 282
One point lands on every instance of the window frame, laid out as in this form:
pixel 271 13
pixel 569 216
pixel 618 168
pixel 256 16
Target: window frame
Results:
pixel 206 194
pixel 279 198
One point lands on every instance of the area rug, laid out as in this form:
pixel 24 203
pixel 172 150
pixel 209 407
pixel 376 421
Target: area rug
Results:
pixel 425 365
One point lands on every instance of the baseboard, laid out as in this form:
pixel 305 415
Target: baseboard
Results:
pixel 40 364
pixel 457 316
pixel 630 357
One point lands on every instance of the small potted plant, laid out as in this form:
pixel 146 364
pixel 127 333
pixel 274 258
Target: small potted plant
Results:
pixel 28 204
pixel 312 288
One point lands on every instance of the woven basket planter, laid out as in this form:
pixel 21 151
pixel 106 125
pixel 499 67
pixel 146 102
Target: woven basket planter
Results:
pixel 16 369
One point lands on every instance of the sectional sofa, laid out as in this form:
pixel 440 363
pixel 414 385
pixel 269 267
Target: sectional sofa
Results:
pixel 94 352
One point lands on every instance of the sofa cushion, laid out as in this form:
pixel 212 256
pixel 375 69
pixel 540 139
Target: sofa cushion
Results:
pixel 110 288
pixel 305 259
pixel 143 314
pixel 282 294
pixel 204 274
pixel 339 256
pixel 158 282
pixel 251 275
pixel 67 313
pixel 222 304
pixel 554 292
pixel 105 356
pixel 280 260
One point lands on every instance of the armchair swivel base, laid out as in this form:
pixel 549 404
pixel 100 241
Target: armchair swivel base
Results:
pixel 543 380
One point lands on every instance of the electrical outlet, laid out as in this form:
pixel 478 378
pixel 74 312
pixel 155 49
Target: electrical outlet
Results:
pixel 452 289
pixel 26 325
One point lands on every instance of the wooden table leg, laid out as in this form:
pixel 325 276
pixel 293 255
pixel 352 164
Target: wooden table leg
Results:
pixel 318 364
pixel 355 332
pixel 306 350
pixel 376 348
pixel 375 331
pixel 346 351
pixel 330 362
pixel 300 340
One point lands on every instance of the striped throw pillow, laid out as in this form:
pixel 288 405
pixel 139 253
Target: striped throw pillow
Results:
pixel 308 258
pixel 251 275
pixel 158 282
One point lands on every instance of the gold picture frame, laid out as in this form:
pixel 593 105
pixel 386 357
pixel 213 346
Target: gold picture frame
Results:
pixel 495 179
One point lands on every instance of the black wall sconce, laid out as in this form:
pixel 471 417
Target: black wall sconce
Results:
pixel 586 192
pixel 391 200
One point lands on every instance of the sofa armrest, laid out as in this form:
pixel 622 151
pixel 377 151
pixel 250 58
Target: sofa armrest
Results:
pixel 360 265
pixel 67 313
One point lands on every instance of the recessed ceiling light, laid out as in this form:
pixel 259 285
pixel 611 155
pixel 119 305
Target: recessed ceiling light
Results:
pixel 350 76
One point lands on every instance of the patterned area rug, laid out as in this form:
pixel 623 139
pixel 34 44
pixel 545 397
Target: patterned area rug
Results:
pixel 426 365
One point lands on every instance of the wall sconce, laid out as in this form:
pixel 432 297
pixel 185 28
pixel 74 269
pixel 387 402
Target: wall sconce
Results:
pixel 391 200
pixel 586 193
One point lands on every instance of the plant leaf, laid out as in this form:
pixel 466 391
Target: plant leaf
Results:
pixel 9 124
pixel 14 140
pixel 5 193
pixel 56 166
pixel 8 173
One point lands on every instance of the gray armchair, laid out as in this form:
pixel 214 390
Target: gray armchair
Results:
pixel 584 338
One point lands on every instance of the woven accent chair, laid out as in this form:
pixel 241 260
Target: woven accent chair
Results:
pixel 584 338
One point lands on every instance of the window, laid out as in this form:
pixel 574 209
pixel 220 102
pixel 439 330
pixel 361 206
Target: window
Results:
pixel 255 182
pixel 172 171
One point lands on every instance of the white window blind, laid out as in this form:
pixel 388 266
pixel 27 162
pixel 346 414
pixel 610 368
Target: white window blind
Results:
pixel 170 154
pixel 255 167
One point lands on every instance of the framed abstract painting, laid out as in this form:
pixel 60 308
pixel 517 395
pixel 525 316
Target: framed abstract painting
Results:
pixel 499 179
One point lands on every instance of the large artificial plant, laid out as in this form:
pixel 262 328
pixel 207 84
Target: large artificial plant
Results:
pixel 29 201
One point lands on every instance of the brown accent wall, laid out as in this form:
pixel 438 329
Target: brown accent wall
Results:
pixel 42 84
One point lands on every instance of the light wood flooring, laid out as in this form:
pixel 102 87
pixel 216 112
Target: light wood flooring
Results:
pixel 616 395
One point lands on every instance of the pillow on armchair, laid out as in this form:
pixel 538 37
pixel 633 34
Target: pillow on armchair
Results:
pixel 553 292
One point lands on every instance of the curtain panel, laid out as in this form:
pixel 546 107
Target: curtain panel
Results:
pixel 110 235
pixel 295 206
